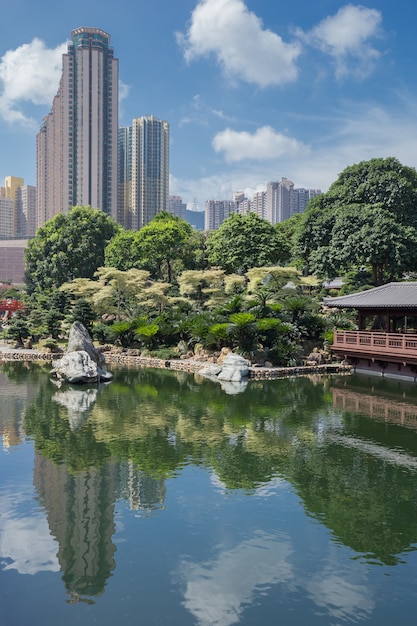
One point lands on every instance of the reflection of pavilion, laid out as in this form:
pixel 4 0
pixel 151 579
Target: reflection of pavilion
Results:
pixel 377 407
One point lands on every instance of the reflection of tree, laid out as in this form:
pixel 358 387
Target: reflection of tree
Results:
pixel 369 504
pixel 157 421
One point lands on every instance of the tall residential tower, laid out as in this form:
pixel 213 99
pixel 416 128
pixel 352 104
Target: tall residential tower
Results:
pixel 143 170
pixel 77 143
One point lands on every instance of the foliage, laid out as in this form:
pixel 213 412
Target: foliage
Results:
pixel 366 219
pixel 18 327
pixel 161 242
pixel 246 241
pixel 82 311
pixel 113 291
pixel 122 251
pixel 70 245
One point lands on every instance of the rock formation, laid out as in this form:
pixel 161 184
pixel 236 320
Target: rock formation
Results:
pixel 232 373
pixel 82 362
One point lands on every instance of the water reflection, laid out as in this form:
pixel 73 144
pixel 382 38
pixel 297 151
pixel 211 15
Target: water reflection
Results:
pixel 217 591
pixel 355 474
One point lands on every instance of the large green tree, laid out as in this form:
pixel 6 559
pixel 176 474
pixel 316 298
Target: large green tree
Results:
pixel 367 218
pixel 162 242
pixel 163 245
pixel 70 245
pixel 246 241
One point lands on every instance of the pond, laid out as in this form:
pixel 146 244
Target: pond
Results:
pixel 162 499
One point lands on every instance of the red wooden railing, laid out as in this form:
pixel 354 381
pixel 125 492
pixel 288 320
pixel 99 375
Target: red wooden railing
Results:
pixel 375 343
pixel 11 305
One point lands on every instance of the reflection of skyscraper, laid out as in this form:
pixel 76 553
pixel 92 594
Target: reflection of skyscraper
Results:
pixel 80 513
pixel 77 143
pixel 144 493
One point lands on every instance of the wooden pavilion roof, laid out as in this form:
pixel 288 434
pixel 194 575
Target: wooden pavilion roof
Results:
pixel 398 296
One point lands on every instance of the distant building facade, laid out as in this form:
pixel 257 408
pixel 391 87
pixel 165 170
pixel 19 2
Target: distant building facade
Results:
pixel 76 148
pixel 283 200
pixel 26 211
pixel 143 171
pixel 216 211
pixel 178 207
pixel 17 209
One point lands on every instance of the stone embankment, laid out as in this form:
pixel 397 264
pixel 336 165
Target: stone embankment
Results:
pixel 184 365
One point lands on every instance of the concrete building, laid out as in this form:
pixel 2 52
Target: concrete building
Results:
pixel 258 204
pixel 18 214
pixel 143 170
pixel 216 211
pixel 178 207
pixel 77 143
pixel 7 218
pixel 12 262
pixel 283 200
pixel 26 211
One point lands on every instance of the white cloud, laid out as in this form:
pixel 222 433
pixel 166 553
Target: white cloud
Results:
pixel 28 74
pixel 26 544
pixel 236 37
pixel 265 143
pixel 200 113
pixel 216 591
pixel 345 36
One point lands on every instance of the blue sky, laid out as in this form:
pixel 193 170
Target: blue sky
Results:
pixel 254 90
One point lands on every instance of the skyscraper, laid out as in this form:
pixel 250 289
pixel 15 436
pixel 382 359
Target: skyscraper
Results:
pixel 77 142
pixel 283 201
pixel 143 170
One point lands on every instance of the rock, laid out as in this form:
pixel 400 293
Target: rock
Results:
pixel 82 363
pixel 210 370
pixel 234 368
pixel 223 354
pixel 79 339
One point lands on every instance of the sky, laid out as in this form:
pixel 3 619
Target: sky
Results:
pixel 253 90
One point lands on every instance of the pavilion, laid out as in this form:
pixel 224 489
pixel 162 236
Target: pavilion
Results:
pixel 386 340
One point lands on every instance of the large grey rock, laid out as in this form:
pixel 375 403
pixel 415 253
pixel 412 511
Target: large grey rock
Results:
pixel 79 339
pixel 82 363
pixel 234 369
pixel 232 374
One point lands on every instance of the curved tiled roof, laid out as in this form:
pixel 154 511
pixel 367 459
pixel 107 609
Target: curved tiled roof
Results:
pixel 390 296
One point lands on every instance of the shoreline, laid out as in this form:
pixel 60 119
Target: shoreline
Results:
pixel 191 366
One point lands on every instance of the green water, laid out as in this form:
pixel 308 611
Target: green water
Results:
pixel 161 499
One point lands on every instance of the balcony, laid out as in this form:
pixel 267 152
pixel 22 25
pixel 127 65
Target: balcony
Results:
pixel 393 347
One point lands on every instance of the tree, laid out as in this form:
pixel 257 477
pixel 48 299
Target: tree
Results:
pixel 162 242
pixel 368 236
pixel 70 245
pixel 246 241
pixel 114 291
pixel 122 251
pixel 367 218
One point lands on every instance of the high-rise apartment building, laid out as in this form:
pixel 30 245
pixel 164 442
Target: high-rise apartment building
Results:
pixel 77 143
pixel 258 204
pixel 25 211
pixel 216 211
pixel 178 207
pixel 18 209
pixel 143 171
pixel 7 221
pixel 283 200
